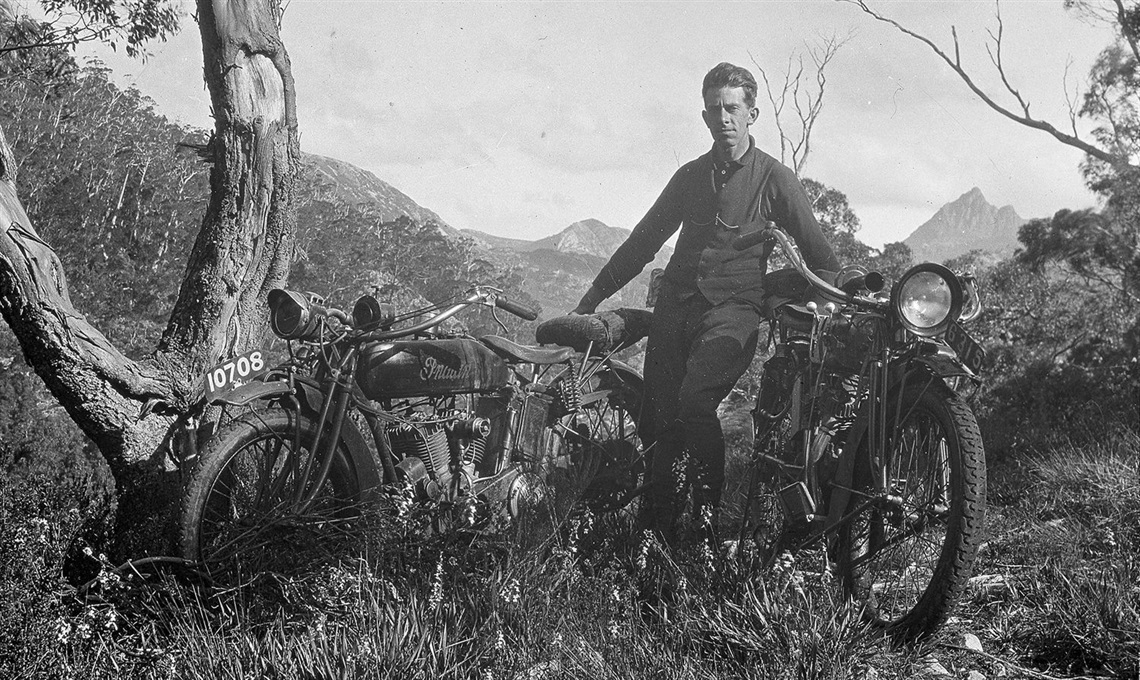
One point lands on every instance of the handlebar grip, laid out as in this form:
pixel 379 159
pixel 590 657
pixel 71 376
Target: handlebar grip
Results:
pixel 516 308
pixel 872 281
pixel 746 241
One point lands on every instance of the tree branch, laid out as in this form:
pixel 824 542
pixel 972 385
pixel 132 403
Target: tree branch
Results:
pixel 807 104
pixel 1126 30
pixel 1024 118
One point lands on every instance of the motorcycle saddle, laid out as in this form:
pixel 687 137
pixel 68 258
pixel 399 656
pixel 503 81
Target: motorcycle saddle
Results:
pixel 608 331
pixel 514 352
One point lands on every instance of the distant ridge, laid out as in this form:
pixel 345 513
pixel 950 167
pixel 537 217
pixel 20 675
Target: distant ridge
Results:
pixel 355 185
pixel 967 223
pixel 586 237
pixel 556 270
pixel 560 268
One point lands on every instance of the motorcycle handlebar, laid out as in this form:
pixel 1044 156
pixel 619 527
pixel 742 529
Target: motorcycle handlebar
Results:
pixel 772 230
pixel 517 308
pixel 476 297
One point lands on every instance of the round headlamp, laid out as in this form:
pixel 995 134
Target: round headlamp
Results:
pixel 927 299
pixel 369 313
pixel 290 315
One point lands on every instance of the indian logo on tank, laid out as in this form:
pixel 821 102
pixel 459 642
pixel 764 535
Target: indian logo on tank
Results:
pixel 431 368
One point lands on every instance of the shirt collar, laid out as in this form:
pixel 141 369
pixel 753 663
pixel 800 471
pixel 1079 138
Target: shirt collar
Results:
pixel 739 163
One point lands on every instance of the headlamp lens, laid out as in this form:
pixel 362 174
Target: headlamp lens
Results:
pixel 927 299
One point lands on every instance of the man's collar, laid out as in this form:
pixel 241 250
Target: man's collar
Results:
pixel 742 161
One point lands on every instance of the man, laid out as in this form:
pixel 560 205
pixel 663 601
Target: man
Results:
pixel 706 322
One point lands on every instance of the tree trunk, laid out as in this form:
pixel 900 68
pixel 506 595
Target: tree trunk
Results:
pixel 131 410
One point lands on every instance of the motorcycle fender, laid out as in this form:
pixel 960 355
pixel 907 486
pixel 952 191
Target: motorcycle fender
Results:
pixel 251 392
pixel 940 365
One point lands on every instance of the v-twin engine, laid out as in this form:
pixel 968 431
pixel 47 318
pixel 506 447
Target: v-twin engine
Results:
pixel 449 457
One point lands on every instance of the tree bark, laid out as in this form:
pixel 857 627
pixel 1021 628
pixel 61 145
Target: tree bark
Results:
pixel 245 245
pixel 131 410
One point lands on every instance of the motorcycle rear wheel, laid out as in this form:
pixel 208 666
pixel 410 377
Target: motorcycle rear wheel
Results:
pixel 908 558
pixel 241 515
pixel 599 449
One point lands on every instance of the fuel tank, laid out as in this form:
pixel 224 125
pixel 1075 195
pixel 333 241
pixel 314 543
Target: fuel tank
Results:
pixel 428 368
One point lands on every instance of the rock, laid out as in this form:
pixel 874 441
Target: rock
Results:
pixel 971 642
pixel 975 675
pixel 931 667
pixel 990 585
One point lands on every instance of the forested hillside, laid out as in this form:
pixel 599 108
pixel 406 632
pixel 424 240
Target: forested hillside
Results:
pixel 119 192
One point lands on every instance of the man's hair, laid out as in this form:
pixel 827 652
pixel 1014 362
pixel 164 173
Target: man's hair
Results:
pixel 725 74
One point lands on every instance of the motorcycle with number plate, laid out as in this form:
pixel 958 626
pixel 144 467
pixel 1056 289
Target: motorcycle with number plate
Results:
pixel 864 444
pixel 476 428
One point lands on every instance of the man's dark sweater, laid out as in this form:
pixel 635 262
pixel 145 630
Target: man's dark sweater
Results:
pixel 713 203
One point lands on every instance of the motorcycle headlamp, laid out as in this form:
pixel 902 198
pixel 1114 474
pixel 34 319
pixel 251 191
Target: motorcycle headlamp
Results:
pixel 927 299
pixel 291 315
pixel 369 313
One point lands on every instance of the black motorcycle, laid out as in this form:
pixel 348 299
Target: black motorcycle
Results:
pixel 863 442
pixel 474 428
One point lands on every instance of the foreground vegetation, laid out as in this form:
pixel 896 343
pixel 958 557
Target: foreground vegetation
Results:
pixel 570 595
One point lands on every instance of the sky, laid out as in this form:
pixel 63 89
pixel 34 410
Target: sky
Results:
pixel 520 118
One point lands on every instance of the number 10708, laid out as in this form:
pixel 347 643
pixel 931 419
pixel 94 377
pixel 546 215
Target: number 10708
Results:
pixel 234 372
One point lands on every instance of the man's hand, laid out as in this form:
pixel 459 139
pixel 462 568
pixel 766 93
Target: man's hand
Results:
pixel 589 302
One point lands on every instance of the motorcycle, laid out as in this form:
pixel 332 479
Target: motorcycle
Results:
pixel 863 443
pixel 474 428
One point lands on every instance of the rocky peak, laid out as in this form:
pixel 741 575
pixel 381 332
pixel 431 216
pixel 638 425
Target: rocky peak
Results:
pixel 967 223
pixel 588 237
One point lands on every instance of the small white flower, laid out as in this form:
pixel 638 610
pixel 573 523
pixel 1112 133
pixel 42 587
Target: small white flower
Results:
pixel 511 594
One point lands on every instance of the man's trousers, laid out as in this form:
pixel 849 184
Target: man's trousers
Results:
pixel 696 352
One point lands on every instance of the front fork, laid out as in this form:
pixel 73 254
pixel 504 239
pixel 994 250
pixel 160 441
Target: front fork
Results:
pixel 334 407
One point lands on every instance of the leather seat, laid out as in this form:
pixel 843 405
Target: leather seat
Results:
pixel 512 351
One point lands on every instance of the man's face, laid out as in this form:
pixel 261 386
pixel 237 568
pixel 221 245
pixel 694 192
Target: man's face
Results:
pixel 728 117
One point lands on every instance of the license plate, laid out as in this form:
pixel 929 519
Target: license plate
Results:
pixel 235 372
pixel 968 350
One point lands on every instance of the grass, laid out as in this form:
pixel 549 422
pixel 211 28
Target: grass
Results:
pixel 573 596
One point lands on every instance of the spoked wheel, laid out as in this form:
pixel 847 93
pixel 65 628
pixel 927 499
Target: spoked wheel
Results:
pixel 599 451
pixel 248 508
pixel 908 557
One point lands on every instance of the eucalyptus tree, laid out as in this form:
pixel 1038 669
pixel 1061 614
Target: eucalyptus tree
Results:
pixel 135 410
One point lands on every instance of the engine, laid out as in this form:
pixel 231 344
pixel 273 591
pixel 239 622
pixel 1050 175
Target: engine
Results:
pixel 432 447
pixel 459 455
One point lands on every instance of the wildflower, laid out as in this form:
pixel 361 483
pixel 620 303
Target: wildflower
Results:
pixel 39 529
pixel 511 594
pixel 614 628
pixel 643 551
pixel 63 630
pixel 436 596
pixel 500 640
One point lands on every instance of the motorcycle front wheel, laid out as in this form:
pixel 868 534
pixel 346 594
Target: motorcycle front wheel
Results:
pixel 248 509
pixel 908 556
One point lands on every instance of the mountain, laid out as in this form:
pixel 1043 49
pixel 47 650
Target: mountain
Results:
pixel 353 185
pixel 588 237
pixel 558 269
pixel 968 223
